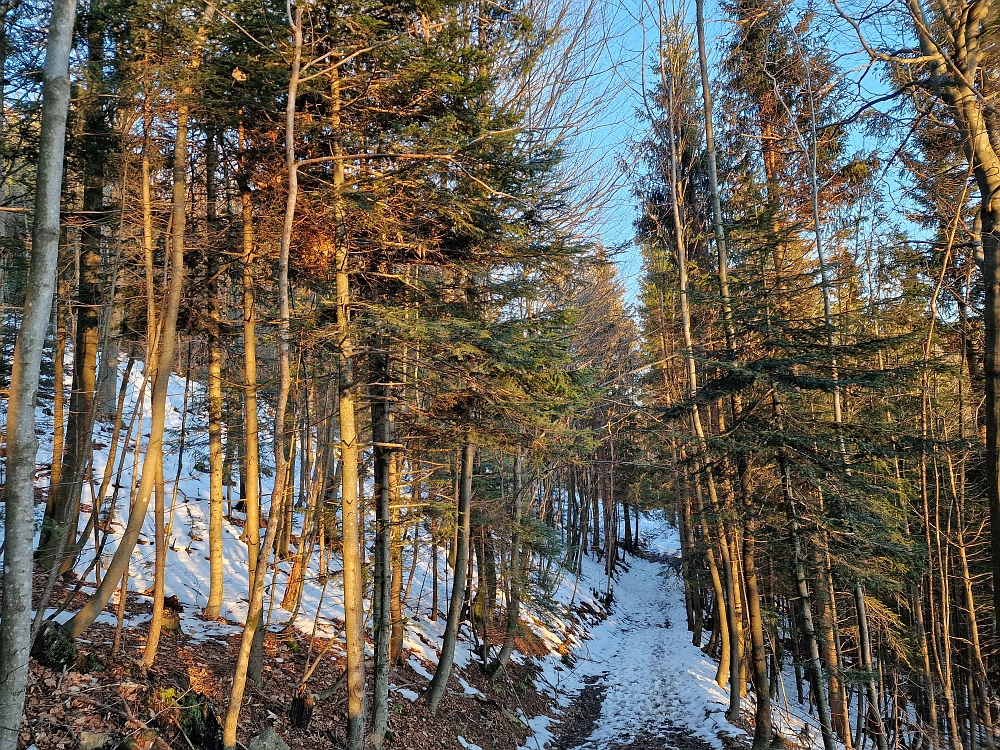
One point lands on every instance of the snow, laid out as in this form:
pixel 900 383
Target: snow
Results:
pixel 417 667
pixel 643 653
pixel 467 688
pixel 540 735
pixel 408 694
pixel 655 678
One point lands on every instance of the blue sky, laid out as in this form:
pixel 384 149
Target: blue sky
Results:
pixel 618 126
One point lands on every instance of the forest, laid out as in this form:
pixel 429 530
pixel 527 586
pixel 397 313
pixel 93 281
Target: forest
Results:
pixel 332 414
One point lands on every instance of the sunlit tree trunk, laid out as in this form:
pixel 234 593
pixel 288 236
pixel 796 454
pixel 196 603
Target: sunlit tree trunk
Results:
pixel 215 451
pixel 250 469
pixel 350 497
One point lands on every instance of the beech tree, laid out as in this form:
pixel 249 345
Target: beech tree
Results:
pixel 22 444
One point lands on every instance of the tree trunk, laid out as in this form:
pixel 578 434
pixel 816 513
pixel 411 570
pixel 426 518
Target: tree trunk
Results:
pixel 439 684
pixel 864 646
pixel 254 622
pixel 215 450
pixel 813 658
pixel 159 569
pixel 250 470
pixel 59 529
pixel 396 556
pixel 698 431
pixel 64 326
pixel 825 626
pixel 514 577
pixel 350 497
pixel 22 444
pixel 762 727
pixel 381 608
pixel 434 571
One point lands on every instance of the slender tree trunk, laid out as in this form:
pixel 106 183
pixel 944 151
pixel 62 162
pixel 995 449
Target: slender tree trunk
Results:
pixel 731 580
pixel 281 458
pixel 825 626
pixel 814 661
pixel 628 528
pixel 977 663
pixel 250 470
pixel 435 692
pixel 22 444
pixel 255 668
pixel 514 577
pixel 350 497
pixel 396 556
pixel 59 529
pixel 215 450
pixel 434 571
pixel 64 326
pixel 381 608
pixel 864 646
pixel 159 569
pixel 254 622
pixel 762 729
pixel 925 663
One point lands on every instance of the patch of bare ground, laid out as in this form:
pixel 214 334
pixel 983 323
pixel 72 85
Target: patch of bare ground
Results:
pixel 579 720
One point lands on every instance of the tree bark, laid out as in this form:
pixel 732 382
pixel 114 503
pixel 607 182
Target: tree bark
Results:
pixel 762 728
pixel 350 496
pixel 215 450
pixel 864 646
pixel 159 569
pixel 22 444
pixel 381 607
pixel 60 526
pixel 439 684
pixel 514 577
pixel 250 470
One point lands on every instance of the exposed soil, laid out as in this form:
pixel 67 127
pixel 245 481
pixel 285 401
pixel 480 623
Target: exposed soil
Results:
pixel 579 720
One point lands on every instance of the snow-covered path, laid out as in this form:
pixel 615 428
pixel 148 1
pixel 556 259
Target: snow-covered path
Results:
pixel 657 688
